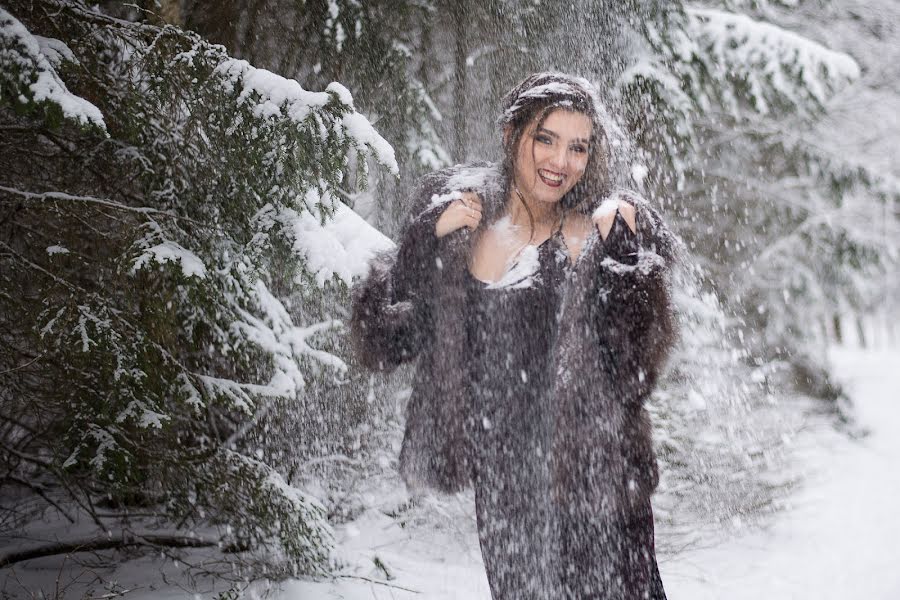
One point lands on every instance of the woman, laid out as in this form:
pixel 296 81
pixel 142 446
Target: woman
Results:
pixel 535 299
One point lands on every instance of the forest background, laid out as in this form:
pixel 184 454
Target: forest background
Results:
pixel 181 219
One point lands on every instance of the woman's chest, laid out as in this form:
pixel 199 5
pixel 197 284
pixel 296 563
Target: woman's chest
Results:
pixel 497 250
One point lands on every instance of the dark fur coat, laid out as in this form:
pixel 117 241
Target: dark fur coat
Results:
pixel 615 330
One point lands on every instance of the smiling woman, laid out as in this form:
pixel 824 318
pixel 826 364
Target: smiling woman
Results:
pixel 536 301
pixel 556 159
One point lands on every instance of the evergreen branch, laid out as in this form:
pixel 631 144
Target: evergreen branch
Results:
pixel 124 321
pixel 77 154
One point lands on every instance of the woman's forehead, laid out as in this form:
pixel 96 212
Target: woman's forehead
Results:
pixel 566 123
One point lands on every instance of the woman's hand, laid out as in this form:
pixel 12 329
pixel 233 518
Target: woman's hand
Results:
pixel 465 212
pixel 605 215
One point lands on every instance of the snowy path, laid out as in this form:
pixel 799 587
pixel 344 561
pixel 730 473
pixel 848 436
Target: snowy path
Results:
pixel 838 540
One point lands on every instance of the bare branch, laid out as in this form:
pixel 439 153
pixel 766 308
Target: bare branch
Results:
pixel 40 491
pixel 35 460
pixel 384 583
pixel 124 539
pixel 20 367
pixel 62 196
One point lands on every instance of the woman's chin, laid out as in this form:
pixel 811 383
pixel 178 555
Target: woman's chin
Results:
pixel 549 198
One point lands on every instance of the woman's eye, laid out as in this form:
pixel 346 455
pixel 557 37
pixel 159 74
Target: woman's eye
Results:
pixel 543 139
pixel 579 149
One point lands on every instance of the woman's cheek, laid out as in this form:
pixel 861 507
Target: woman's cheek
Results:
pixel 580 173
pixel 541 154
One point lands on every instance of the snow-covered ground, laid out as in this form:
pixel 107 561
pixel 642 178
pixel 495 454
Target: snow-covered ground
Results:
pixel 838 539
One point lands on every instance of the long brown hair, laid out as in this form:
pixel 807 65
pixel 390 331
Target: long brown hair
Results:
pixel 532 100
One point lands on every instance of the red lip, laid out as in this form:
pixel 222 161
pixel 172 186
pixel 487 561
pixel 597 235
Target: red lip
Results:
pixel 551 183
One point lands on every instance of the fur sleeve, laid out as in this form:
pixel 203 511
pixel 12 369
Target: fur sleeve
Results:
pixel 391 319
pixel 384 333
pixel 634 319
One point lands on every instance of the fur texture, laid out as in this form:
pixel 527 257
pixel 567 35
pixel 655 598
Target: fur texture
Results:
pixel 615 330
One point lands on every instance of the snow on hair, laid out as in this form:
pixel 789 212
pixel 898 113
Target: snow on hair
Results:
pixel 557 89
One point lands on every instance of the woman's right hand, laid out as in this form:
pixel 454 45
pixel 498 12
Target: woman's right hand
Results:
pixel 465 212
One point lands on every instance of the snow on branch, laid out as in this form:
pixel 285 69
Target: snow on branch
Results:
pixel 844 170
pixel 669 84
pixel 300 520
pixel 105 443
pixel 56 51
pixel 169 251
pixel 56 196
pixel 275 332
pixel 273 96
pixel 239 394
pixel 27 66
pixel 773 62
pixel 706 57
pixel 143 415
pixel 271 328
pixel 342 246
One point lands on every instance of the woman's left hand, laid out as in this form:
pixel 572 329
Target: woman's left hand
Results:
pixel 605 216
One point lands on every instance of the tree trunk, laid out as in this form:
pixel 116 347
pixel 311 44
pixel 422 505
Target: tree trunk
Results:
pixel 861 332
pixel 217 21
pixel 170 12
pixel 838 336
pixel 460 79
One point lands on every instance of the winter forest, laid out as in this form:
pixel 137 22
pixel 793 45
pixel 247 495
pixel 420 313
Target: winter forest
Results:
pixel 189 189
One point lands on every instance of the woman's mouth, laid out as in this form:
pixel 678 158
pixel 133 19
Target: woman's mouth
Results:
pixel 551 178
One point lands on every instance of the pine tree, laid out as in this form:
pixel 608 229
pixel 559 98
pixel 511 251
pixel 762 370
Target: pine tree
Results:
pixel 170 263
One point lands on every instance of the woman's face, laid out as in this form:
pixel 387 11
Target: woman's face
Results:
pixel 552 158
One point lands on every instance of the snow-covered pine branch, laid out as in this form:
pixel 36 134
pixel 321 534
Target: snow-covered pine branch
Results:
pixel 271 96
pixel 28 74
pixel 773 65
pixel 704 60
pixel 735 99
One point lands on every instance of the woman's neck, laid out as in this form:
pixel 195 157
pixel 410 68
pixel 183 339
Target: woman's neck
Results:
pixel 545 215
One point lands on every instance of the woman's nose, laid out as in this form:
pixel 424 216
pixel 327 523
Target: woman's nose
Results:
pixel 558 158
